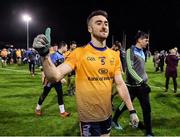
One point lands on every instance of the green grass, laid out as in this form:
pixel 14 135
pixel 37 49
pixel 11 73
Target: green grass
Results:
pixel 19 93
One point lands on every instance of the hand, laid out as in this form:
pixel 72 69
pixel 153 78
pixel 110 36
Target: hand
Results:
pixel 134 120
pixel 42 43
pixel 63 81
pixel 143 84
pixel 145 87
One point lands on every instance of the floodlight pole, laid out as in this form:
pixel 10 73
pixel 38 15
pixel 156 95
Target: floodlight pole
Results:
pixel 27 27
pixel 27 18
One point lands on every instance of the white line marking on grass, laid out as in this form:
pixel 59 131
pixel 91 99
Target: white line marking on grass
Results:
pixel 14 70
pixel 20 71
pixel 157 87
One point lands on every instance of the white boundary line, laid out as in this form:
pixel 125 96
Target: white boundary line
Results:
pixel 13 70
pixel 20 71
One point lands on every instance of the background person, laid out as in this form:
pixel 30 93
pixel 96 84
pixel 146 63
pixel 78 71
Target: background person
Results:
pixel 171 69
pixel 136 79
pixel 57 58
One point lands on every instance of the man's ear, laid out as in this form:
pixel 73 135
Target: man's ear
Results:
pixel 89 29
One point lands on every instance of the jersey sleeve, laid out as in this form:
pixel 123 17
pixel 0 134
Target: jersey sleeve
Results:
pixel 72 60
pixel 130 68
pixel 117 64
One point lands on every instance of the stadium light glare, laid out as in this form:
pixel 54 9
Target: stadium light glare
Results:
pixel 27 19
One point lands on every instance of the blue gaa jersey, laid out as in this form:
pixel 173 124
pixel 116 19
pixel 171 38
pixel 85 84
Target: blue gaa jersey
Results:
pixel 57 58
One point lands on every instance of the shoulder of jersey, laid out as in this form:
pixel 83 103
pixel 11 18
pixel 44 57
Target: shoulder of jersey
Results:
pixel 112 51
pixel 80 48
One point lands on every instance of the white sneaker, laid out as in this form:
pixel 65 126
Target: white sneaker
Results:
pixel 116 126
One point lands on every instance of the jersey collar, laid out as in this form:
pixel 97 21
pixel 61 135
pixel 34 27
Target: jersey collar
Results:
pixel 97 48
pixel 59 52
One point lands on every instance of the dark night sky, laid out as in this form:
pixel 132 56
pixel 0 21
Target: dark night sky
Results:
pixel 67 18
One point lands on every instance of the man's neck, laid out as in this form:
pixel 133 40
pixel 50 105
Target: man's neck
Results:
pixel 60 51
pixel 138 46
pixel 98 43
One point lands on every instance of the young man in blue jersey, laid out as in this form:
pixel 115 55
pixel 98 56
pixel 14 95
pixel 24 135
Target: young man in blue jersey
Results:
pixel 57 58
pixel 136 79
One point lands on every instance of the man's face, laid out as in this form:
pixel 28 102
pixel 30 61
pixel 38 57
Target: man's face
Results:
pixel 114 47
pixel 65 48
pixel 73 46
pixel 55 48
pixel 144 42
pixel 99 27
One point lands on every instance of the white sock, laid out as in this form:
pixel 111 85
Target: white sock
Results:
pixel 38 107
pixel 61 108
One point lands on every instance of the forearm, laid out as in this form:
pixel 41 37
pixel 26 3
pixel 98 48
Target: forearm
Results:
pixel 50 70
pixel 124 94
pixel 42 77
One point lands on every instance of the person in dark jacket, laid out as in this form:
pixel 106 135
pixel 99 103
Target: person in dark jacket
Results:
pixel 31 56
pixel 171 69
pixel 161 60
pixel 136 80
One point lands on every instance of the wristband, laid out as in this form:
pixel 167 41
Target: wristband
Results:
pixel 132 111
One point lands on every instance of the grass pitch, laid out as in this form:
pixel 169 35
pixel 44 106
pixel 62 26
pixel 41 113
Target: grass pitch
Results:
pixel 19 93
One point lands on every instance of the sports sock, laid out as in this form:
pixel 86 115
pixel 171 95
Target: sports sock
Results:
pixel 61 108
pixel 38 107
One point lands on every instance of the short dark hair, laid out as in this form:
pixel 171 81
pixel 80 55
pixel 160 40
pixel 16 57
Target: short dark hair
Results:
pixel 141 34
pixel 72 42
pixel 96 13
pixel 117 44
pixel 61 44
